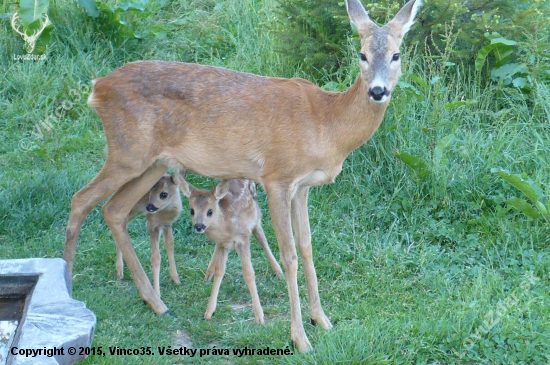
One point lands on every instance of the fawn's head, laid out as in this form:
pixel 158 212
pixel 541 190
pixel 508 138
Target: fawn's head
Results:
pixel 380 61
pixel 162 194
pixel 204 203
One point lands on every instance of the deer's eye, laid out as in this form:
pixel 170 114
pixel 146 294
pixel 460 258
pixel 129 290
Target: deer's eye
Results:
pixel 163 195
pixel 395 57
pixel 209 213
pixel 192 211
pixel 363 56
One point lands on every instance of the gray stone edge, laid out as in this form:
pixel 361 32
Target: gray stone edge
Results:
pixel 53 318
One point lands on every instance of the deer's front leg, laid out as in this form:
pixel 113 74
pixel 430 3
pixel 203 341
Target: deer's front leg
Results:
pixel 300 224
pixel 279 200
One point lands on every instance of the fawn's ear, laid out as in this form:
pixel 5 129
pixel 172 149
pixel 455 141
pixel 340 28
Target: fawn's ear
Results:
pixel 179 175
pixel 179 178
pixel 221 189
pixel 186 188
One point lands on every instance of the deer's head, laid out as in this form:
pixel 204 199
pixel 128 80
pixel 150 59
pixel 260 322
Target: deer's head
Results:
pixel 379 58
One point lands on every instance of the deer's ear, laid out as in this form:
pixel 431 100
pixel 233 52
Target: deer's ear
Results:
pixel 359 16
pixel 404 19
pixel 221 189
pixel 179 175
pixel 186 188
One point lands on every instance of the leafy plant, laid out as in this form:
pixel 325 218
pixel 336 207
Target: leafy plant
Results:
pixel 33 24
pixel 417 164
pixel 504 71
pixel 536 208
pixel 112 20
pixel 420 167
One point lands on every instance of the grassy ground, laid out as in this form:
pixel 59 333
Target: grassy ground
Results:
pixel 411 270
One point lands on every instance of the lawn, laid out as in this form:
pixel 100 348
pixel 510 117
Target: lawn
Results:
pixel 424 264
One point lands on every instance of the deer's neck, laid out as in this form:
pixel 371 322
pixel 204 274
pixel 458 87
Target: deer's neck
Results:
pixel 352 116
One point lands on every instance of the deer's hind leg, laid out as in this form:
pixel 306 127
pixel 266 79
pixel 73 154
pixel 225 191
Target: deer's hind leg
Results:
pixel 115 212
pixel 112 176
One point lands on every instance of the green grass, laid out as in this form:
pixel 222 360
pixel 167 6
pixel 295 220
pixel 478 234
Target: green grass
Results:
pixel 409 268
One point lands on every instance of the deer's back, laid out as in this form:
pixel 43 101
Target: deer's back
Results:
pixel 214 121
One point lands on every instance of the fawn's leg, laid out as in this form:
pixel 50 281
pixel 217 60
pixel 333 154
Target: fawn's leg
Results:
pixel 243 249
pixel 219 259
pixel 154 238
pixel 259 234
pixel 169 243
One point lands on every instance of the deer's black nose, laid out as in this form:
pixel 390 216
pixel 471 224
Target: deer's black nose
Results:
pixel 199 227
pixel 378 92
pixel 151 208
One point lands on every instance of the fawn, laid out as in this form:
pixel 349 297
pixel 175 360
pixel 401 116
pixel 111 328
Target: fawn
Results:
pixel 286 134
pixel 162 205
pixel 227 215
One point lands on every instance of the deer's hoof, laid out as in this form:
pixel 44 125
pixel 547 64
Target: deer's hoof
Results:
pixel 170 313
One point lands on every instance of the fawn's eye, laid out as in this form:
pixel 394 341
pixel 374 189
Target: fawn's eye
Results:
pixel 363 56
pixel 163 195
pixel 395 57
pixel 192 211
pixel 209 213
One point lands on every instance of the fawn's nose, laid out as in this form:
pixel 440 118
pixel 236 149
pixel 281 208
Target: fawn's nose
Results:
pixel 377 93
pixel 151 208
pixel 199 227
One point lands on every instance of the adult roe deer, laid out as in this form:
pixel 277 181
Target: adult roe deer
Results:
pixel 228 214
pixel 286 134
pixel 162 206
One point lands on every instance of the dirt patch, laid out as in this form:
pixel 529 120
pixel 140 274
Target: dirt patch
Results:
pixel 239 306
pixel 182 338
